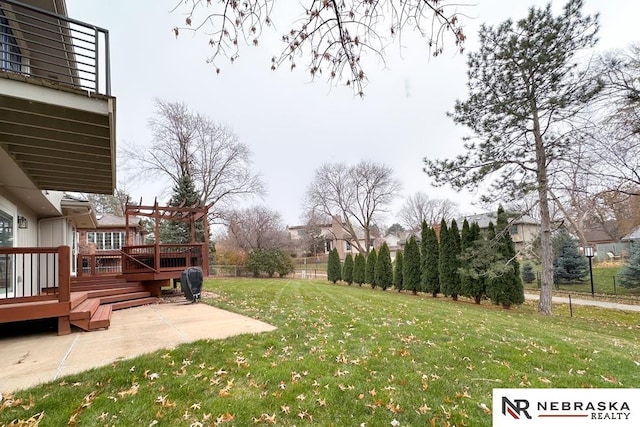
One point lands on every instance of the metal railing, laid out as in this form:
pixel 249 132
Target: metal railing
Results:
pixel 41 44
pixel 159 258
pixel 108 263
pixel 30 274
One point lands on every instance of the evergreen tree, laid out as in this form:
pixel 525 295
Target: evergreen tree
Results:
pixel 568 264
pixel 334 269
pixel 384 268
pixel 175 231
pixel 370 271
pixel 424 240
pixel 449 251
pixel 411 266
pixel 466 245
pixel 454 240
pixel 443 260
pixel 476 260
pixel 347 269
pixel 398 277
pixel 430 273
pixel 629 274
pixel 505 285
pixel 359 267
pixel 528 275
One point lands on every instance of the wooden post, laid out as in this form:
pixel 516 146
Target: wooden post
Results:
pixel 64 287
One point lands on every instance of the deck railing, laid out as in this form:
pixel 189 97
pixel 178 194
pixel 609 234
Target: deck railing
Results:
pixel 34 274
pixel 107 263
pixel 161 258
pixel 56 48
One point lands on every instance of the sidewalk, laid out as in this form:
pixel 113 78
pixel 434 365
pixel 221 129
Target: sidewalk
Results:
pixel 594 303
pixel 38 358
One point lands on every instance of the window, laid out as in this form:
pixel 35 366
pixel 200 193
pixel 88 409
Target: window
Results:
pixel 106 241
pixel 513 229
pixel 10 58
pixel 348 245
pixel 6 264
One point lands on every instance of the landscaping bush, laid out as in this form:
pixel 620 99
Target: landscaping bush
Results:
pixel 528 276
pixel 334 268
pixel 629 274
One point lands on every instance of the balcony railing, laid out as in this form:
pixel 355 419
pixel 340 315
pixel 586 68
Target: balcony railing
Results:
pixel 38 43
pixel 108 263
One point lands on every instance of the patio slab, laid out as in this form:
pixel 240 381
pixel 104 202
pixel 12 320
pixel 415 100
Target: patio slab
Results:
pixel 34 359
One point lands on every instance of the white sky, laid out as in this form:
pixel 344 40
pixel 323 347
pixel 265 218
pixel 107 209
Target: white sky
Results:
pixel 291 124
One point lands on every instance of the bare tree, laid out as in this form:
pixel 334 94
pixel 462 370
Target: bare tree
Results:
pixel 330 35
pixel 106 203
pixel 187 143
pixel 358 194
pixel 256 228
pixel 419 207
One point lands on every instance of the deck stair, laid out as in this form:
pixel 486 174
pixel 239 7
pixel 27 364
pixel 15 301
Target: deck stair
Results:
pixel 93 301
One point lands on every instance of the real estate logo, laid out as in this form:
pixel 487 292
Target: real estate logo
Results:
pixel 566 407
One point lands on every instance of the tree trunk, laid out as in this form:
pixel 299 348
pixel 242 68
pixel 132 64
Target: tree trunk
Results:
pixel 477 299
pixel 546 247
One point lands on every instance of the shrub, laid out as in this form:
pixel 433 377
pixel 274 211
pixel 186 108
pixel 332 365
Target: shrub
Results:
pixel 370 271
pixel 528 276
pixel 629 274
pixel 347 269
pixel 359 266
pixel 334 269
pixel 384 268
pixel 398 278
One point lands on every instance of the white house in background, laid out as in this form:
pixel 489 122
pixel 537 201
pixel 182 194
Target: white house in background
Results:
pixel 524 229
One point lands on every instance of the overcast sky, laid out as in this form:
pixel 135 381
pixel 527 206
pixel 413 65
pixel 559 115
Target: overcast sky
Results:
pixel 291 124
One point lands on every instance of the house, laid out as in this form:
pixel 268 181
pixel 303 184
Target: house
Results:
pixel 524 229
pixel 99 246
pixel 57 136
pixel 322 238
pixel 633 236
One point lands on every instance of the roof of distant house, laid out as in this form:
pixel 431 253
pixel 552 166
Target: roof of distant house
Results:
pixel 483 219
pixel 106 220
pixel 634 235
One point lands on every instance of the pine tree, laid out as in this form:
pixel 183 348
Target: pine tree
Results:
pixel 629 274
pixel 568 264
pixel 505 285
pixel 359 267
pixel 466 245
pixel 171 231
pixel 424 240
pixel 476 260
pixel 528 275
pixel 334 269
pixel 443 260
pixel 411 266
pixel 430 273
pixel 454 239
pixel 449 251
pixel 398 276
pixel 384 268
pixel 347 269
pixel 370 271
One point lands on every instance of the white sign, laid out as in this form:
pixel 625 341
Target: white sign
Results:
pixel 566 407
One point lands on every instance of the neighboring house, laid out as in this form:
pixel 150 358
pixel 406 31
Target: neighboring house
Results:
pixel 329 236
pixel 633 236
pixel 100 245
pixel 524 229
pixel 57 135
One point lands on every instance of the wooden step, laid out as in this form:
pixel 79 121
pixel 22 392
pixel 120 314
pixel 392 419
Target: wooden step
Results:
pixel 99 293
pixel 78 298
pixel 85 310
pixel 133 303
pixel 103 285
pixel 101 319
pixel 124 297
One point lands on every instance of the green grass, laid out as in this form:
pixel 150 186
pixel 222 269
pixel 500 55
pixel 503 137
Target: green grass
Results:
pixel 603 284
pixel 344 356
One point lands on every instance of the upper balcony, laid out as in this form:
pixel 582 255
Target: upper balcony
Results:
pixel 57 115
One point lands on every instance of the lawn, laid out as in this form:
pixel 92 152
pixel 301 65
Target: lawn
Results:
pixel 605 282
pixel 346 356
